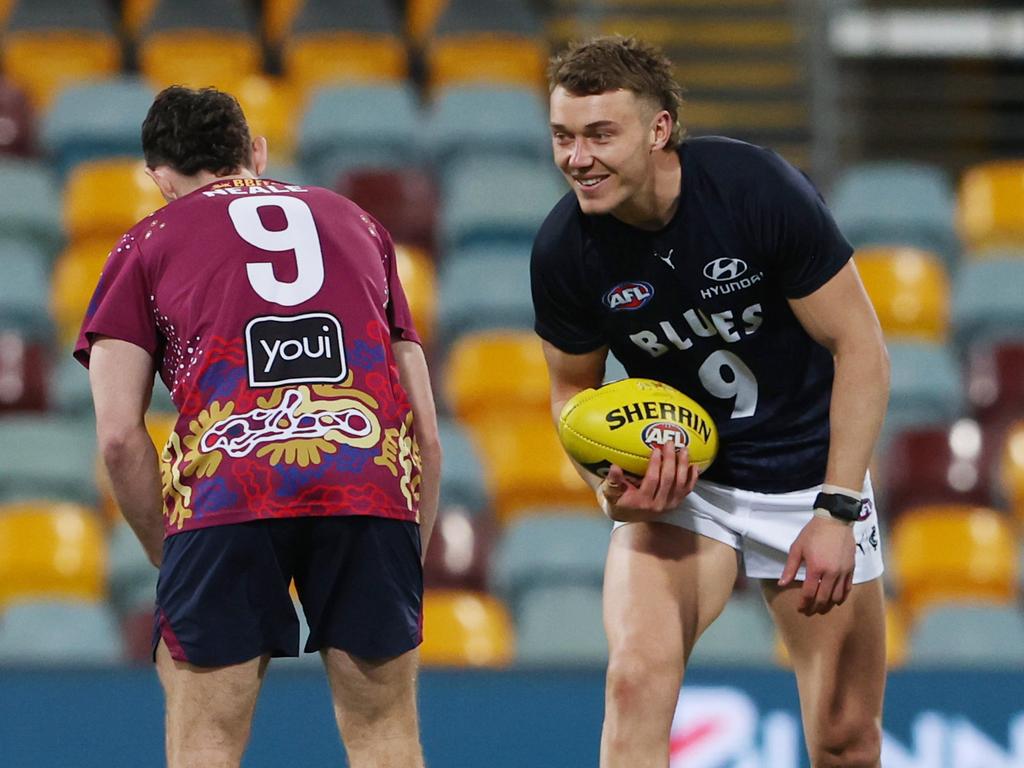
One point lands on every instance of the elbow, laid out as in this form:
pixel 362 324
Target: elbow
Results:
pixel 116 445
pixel 430 448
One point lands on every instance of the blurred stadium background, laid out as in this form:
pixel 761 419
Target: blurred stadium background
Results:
pixel 431 114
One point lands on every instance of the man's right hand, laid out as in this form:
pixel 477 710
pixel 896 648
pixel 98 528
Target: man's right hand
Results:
pixel 669 478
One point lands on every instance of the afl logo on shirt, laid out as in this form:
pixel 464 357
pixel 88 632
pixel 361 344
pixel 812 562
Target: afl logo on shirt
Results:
pixel 307 349
pixel 631 295
pixel 724 269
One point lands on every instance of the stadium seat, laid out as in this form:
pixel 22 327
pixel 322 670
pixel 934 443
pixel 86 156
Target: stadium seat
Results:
pixel 60 632
pixel 416 271
pixel 526 466
pixel 561 625
pixel 421 17
pixel 969 636
pixel 1011 469
pixel 27 210
pixel 367 126
pixel 96 120
pixel 486 58
pixel 43 457
pixel 70 395
pixel 897 204
pixel 743 635
pixel 137 636
pixel 484 292
pixel 545 550
pixel 24 289
pixel 50 550
pixel 910 292
pixel 50 44
pixel 75 275
pixel 135 15
pixel 936 465
pixel 105 198
pixel 953 553
pixel 995 381
pixel 991 205
pixel 131 578
pixel 17 118
pixel 465 629
pixel 496 201
pixel 987 306
pixel 271 109
pixel 404 200
pixel 462 482
pixel 925 388
pixel 278 17
pixel 460 550
pixel 24 372
pixel 476 120
pixel 496 372
pixel 199 43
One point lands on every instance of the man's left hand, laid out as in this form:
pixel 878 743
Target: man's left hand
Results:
pixel 827 549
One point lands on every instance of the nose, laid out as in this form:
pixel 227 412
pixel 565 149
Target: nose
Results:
pixel 580 157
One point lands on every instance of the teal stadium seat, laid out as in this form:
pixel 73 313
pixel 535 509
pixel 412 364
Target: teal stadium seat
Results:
pixel 468 121
pixel 966 635
pixel 363 16
pixel 487 290
pixel 131 578
pixel 561 625
pixel 926 387
pixel 462 482
pixel 743 635
pixel 358 127
pixel 25 289
pixel 462 17
pixel 47 457
pixel 30 205
pixel 495 201
pixel 72 397
pixel 95 120
pixel 59 632
pixel 987 302
pixel 549 549
pixel 897 204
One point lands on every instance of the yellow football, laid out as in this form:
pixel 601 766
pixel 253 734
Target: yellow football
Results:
pixel 620 422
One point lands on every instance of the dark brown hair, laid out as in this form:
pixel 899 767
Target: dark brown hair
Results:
pixel 614 62
pixel 196 130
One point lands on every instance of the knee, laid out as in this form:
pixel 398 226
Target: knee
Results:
pixel 638 681
pixel 850 744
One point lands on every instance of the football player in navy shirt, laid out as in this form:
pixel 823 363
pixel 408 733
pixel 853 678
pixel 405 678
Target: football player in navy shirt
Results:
pixel 714 266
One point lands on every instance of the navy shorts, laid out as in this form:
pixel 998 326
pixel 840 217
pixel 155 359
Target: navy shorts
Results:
pixel 223 597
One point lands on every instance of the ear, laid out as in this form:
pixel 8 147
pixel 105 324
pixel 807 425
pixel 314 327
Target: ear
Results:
pixel 259 155
pixel 661 130
pixel 163 177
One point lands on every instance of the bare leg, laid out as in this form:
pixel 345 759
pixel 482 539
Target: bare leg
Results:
pixel 663 586
pixel 209 710
pixel 375 705
pixel 839 659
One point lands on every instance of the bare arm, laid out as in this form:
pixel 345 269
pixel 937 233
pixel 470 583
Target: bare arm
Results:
pixel 121 377
pixel 412 370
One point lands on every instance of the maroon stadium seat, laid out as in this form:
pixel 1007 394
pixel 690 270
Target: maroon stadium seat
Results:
pixel 460 550
pixel 137 633
pixel 17 124
pixel 22 373
pixel 995 382
pixel 405 200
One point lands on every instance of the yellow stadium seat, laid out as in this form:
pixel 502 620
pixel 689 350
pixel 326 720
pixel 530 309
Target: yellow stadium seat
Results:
pixel 421 17
pixel 271 109
pixel 75 275
pixel 991 205
pixel 135 14
pixel 910 291
pixel 953 552
pixel 486 58
pixel 50 550
pixel 312 61
pixel 419 281
pixel 42 63
pixel 465 629
pixel 105 198
pixel 1012 469
pixel 497 372
pixel 278 16
pixel 526 467
pixel 198 58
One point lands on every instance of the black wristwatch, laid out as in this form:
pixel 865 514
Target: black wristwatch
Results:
pixel 840 506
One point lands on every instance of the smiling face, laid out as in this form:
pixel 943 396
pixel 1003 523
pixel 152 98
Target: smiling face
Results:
pixel 604 144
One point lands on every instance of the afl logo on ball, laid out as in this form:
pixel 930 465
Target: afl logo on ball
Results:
pixel 630 296
pixel 662 432
pixel 725 269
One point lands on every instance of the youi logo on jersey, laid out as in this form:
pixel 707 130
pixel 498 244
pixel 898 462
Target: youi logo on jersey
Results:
pixel 629 296
pixel 304 349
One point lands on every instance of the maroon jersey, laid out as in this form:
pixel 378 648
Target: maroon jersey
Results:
pixel 269 309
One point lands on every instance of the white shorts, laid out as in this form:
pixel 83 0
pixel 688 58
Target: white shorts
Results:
pixel 763 526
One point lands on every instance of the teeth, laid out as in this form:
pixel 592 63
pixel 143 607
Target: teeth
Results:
pixel 588 182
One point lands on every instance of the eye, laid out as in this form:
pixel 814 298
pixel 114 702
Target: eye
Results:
pixel 561 137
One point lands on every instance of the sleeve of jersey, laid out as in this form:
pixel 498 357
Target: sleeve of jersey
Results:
pixel 399 314
pixel 563 317
pixel 119 307
pixel 797 233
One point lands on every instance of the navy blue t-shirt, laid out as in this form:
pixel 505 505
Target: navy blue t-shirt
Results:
pixel 702 304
